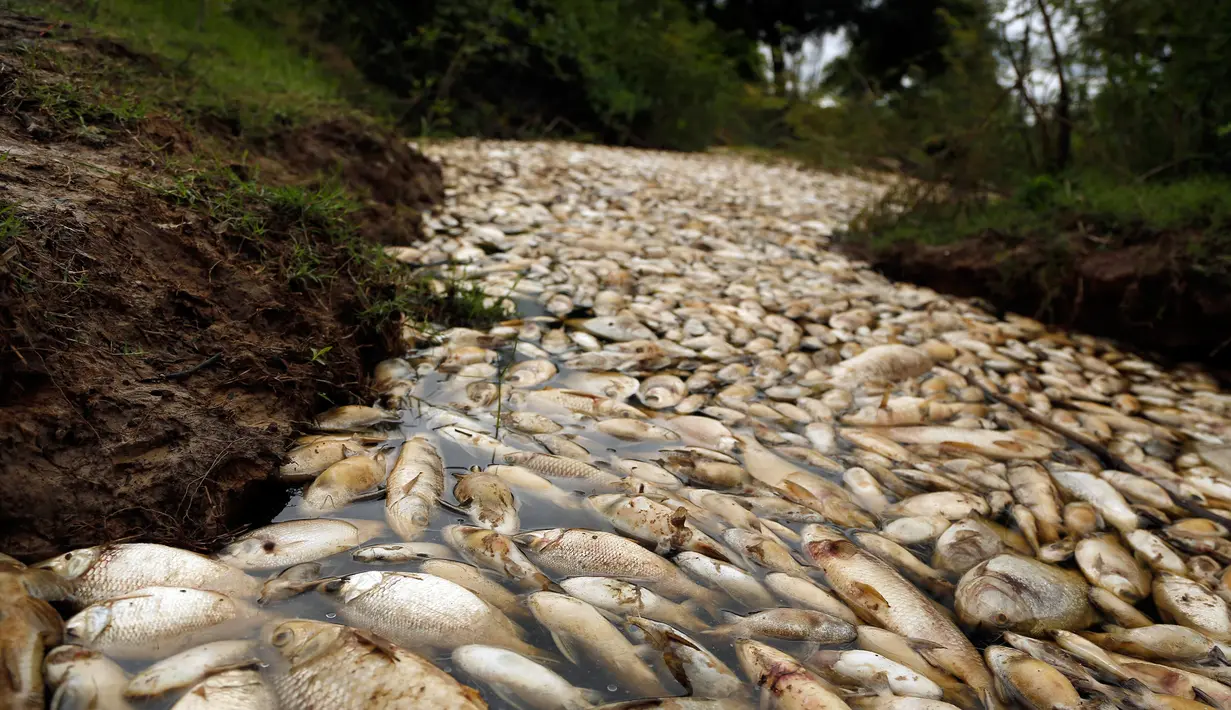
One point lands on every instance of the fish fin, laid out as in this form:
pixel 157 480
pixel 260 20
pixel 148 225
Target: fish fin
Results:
pixel 451 507
pixel 378 644
pixel 879 683
pixel 728 617
pixel 1203 697
pixel 647 653
pixel 921 645
pixel 45 584
pixel 71 696
pixel 721 630
pixel 1217 657
pixel 567 649
pixel 869 598
pixel 767 698
pixel 374 494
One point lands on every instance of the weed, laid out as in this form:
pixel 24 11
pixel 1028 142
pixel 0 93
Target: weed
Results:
pixel 11 224
pixel 318 354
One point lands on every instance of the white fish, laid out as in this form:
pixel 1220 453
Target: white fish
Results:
pixel 414 487
pixel 521 681
pixel 295 541
pixel 188 667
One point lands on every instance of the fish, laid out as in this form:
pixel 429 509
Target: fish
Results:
pixel 472 578
pixel 1031 682
pixel 421 611
pixel 414 488
pixel 106 571
pixel 521 681
pixel 488 501
pixel 1159 642
pixel 654 523
pixel 583 635
pixel 881 362
pixel 905 561
pixel 304 463
pixel 954 505
pixel 1098 493
pixel 965 544
pixel 698 670
pixel 352 669
pixel 29 626
pixel 295 541
pixel 353 417
pixel 1022 594
pixel 155 622
pixel 553 466
pixel 877 593
pixel 1182 601
pixel 784 682
pixel 578 552
pixel 529 423
pixel 661 391
pixel 289 583
pixel 735 582
pixel 491 550
pixel 762 551
pixel 1106 564
pixel 866 669
pixel 635 430
pixel 83 678
pixel 403 552
pixel 804 593
pixel 787 624
pixel 236 689
pixel 628 599
pixel 343 483
pixel 189 667
pixel 530 373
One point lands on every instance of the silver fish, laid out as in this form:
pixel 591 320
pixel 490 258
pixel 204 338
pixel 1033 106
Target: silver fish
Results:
pixel 295 541
pixel 414 487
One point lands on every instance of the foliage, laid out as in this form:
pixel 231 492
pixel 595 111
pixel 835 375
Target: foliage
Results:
pixel 308 234
pixel 202 60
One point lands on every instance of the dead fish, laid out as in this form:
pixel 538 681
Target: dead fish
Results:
pixel 529 423
pixel 414 488
pixel 662 391
pixel 303 463
pixel 1158 642
pixel 866 669
pixel 1099 493
pixel 295 541
pixel 579 552
pixel 620 328
pixel 564 445
pixel 488 501
pixel 356 671
pixel 787 624
pixel 189 667
pixel 583 635
pixel 916 529
pixel 635 430
pixel 882 362
pixel 875 591
pixel 1011 592
pixel 476 581
pixel 783 681
pixel 154 622
pixel 554 466
pixel 904 560
pixel 965 544
pixel 353 417
pixel 343 483
pixel 82 678
pixel 953 505
pixel 762 551
pixel 698 670
pixel 805 593
pixel 520 681
pixel 236 688
pixel 1106 564
pixel 289 583
pixel 738 584
pixel 491 550
pixel 399 552
pixel 530 373
pixel 107 571
pixel 625 598
pixel 421 611
pixel 660 525
pixel 1031 682
pixel 993 444
pixel 1183 601
pixel 647 471
pixel 604 384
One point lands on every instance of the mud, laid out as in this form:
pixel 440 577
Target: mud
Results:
pixel 151 370
pixel 1145 293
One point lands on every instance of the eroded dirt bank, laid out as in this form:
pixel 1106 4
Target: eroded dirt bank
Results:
pixel 1146 293
pixel 154 355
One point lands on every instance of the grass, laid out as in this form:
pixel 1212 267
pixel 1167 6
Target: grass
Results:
pixel 1111 213
pixel 216 65
pixel 308 233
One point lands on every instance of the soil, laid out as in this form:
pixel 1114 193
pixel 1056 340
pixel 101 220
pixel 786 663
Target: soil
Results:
pixel 1144 292
pixel 151 370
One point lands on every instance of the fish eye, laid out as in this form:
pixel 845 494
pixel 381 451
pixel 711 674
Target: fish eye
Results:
pixel 1001 619
pixel 269 546
pixel 283 637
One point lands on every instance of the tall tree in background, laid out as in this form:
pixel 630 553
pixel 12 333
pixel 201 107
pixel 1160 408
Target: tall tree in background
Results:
pixel 781 25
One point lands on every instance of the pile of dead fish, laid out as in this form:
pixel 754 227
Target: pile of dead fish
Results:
pixel 799 485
